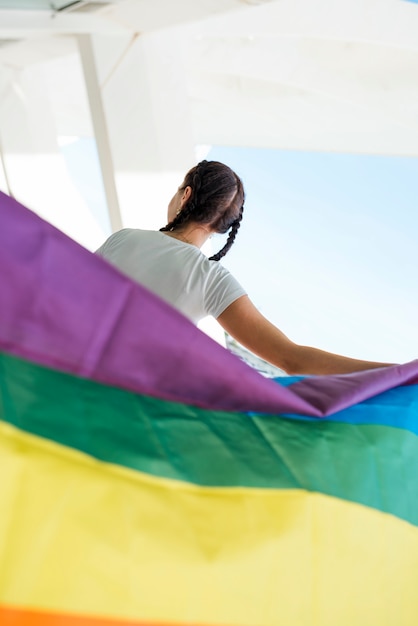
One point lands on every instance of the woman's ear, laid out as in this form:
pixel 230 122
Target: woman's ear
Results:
pixel 187 192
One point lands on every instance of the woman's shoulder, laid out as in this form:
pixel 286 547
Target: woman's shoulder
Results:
pixel 125 235
pixel 132 232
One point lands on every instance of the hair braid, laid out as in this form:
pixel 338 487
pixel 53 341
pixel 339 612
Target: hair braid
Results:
pixel 182 217
pixel 231 238
pixel 185 214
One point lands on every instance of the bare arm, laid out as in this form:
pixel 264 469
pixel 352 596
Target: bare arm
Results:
pixel 244 322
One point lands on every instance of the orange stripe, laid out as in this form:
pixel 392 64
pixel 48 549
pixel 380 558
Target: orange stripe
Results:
pixel 10 616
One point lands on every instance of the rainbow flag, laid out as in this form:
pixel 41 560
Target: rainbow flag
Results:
pixel 150 477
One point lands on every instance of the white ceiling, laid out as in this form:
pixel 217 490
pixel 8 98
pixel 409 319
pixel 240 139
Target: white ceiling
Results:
pixel 294 74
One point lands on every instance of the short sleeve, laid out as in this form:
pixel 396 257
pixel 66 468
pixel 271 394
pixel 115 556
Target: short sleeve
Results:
pixel 221 290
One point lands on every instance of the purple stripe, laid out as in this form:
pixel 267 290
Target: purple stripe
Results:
pixel 67 309
pixel 330 394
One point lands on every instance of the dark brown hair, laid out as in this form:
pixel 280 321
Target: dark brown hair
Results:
pixel 217 199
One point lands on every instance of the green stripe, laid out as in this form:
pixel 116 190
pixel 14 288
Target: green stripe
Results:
pixel 373 465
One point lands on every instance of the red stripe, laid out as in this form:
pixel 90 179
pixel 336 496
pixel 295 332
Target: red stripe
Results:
pixel 27 617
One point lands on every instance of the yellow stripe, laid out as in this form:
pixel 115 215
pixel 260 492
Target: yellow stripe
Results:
pixel 85 537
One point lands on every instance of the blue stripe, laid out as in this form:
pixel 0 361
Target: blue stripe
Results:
pixel 397 407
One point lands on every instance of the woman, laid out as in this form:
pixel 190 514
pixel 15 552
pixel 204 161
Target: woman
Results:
pixel 170 263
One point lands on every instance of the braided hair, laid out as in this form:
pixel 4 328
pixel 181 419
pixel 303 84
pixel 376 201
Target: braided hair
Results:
pixel 217 199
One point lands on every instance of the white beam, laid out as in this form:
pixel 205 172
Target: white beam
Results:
pixel 150 15
pixel 100 129
pixel 23 24
pixel 148 113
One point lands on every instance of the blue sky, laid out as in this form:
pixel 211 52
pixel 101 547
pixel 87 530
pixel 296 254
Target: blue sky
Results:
pixel 328 248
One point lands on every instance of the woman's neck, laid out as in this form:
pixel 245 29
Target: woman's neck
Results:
pixel 191 233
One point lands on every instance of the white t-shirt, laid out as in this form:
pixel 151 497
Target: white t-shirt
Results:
pixel 178 272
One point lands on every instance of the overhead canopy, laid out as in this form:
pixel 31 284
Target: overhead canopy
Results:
pixel 151 79
pixel 291 74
